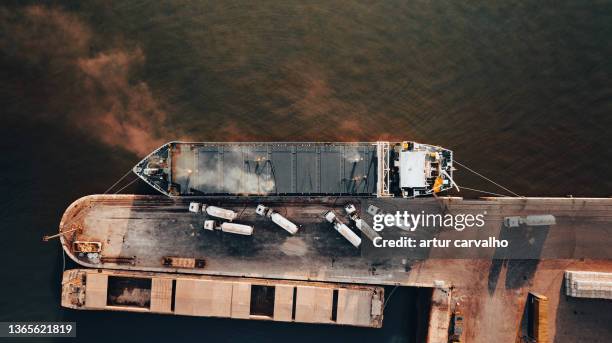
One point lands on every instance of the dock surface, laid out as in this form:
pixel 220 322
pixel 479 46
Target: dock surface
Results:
pixel 491 293
pixel 137 232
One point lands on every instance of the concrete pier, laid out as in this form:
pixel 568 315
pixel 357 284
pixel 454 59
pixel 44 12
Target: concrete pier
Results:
pixel 138 231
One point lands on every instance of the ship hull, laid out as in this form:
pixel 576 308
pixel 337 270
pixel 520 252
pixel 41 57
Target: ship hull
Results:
pixel 297 169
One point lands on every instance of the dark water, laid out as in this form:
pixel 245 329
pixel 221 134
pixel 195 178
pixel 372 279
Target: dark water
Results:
pixel 520 90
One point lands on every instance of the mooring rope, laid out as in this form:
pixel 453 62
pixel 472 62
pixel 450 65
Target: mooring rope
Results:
pixel 124 187
pixel 485 192
pixel 72 220
pixel 389 297
pixel 486 178
pixel 115 184
pixel 241 212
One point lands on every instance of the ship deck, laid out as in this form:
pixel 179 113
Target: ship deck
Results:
pixel 273 168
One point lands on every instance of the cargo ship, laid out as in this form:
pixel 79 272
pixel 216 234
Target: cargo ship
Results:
pixel 377 169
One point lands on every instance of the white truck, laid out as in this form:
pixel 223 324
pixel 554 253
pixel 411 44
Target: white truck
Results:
pixel 532 220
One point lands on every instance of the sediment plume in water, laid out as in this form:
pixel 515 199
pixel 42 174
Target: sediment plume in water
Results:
pixel 94 91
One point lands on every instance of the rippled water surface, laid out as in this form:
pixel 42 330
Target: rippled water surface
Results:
pixel 520 90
